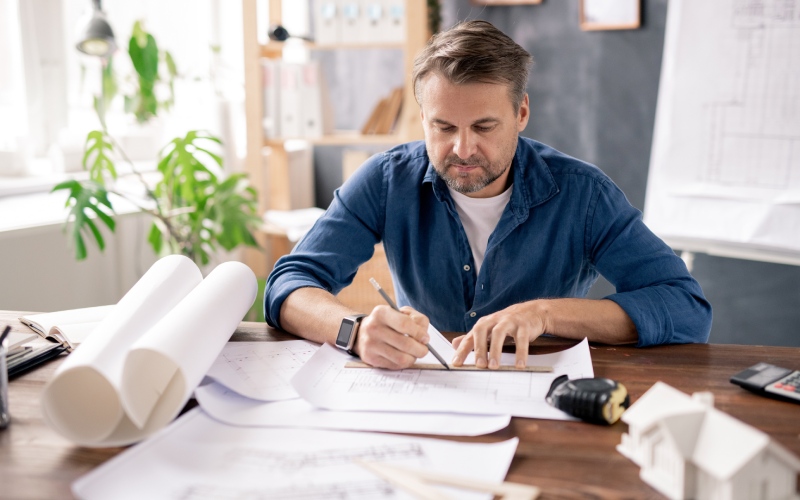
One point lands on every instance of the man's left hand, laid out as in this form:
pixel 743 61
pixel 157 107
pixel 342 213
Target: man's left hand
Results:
pixel 522 322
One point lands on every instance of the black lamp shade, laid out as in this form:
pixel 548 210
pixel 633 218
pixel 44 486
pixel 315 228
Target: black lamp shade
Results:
pixel 98 39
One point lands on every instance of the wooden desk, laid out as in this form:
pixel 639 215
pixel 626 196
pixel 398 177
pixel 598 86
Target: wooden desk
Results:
pixel 565 459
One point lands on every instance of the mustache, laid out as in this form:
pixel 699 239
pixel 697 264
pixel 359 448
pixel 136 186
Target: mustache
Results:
pixel 472 161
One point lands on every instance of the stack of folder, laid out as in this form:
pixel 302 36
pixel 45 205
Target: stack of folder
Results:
pixel 25 351
pixel 293 100
pixel 355 22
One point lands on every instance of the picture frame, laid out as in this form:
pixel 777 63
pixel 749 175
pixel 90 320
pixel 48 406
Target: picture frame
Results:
pixel 506 2
pixel 598 15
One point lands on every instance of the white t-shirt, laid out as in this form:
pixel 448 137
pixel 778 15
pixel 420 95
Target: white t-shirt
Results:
pixel 480 216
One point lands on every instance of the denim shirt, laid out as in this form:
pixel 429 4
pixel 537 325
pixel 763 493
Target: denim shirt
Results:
pixel 565 223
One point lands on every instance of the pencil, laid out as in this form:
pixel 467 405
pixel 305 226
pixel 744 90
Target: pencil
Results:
pixel 394 306
pixel 5 333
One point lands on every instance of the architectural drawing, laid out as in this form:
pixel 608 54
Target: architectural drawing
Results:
pixel 325 382
pixel 752 130
pixel 198 457
pixel 261 370
pixel 232 408
pixel 688 449
pixel 725 164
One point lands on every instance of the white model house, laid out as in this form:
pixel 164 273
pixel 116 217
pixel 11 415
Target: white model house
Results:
pixel 688 449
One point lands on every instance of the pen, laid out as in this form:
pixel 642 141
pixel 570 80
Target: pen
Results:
pixel 8 329
pixel 394 306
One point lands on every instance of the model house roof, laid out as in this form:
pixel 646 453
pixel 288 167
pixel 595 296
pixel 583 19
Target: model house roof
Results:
pixel 713 440
pixel 720 445
pixel 659 401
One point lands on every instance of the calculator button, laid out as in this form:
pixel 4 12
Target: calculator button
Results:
pixel 777 385
pixel 789 388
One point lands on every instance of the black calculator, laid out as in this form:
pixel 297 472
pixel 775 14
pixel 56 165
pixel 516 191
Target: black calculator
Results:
pixel 770 380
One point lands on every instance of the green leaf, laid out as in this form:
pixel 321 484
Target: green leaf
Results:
pixel 83 200
pixel 143 51
pixel 235 212
pixel 144 58
pixel 139 34
pixel 156 238
pixel 206 210
pixel 172 69
pixel 96 157
pixel 217 158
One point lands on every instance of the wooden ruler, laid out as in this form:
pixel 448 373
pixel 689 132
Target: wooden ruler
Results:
pixel 464 368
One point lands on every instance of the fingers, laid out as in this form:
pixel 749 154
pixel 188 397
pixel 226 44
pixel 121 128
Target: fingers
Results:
pixel 420 322
pixel 392 339
pixel 464 347
pixel 499 334
pixel 488 337
pixel 525 336
pixel 480 347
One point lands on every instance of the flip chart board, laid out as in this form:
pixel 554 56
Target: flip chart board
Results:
pixel 725 164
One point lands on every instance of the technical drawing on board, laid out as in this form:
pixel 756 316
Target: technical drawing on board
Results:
pixel 725 166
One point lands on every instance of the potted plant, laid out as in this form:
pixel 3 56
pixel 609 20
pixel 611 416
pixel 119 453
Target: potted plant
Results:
pixel 196 208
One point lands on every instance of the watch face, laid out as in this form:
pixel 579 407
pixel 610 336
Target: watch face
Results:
pixel 345 331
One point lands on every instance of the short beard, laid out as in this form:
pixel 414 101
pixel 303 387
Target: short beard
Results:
pixel 462 184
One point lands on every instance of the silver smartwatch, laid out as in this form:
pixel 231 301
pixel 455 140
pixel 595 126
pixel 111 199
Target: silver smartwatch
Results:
pixel 348 331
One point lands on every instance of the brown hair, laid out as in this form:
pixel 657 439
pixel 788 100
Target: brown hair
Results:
pixel 475 52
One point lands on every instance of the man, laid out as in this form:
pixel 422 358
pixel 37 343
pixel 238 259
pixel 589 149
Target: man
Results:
pixel 485 232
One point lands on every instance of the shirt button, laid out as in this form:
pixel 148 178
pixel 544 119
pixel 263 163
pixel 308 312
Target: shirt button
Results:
pixel 466 267
pixel 473 314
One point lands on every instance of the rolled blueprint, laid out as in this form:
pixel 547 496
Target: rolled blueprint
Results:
pixel 137 370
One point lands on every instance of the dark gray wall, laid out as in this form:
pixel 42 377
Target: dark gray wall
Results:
pixel 593 95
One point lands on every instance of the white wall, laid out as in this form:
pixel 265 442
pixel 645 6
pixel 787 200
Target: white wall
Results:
pixel 38 271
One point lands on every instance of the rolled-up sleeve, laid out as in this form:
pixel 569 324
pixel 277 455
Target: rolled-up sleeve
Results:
pixel 329 255
pixel 653 285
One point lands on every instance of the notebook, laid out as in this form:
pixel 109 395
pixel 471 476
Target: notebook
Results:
pixel 69 328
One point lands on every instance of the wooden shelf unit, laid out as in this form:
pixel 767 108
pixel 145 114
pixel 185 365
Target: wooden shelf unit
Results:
pixel 272 181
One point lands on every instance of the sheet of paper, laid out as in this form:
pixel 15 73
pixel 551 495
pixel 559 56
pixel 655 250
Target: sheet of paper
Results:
pixel 724 165
pixel 151 351
pixel 326 383
pixel 261 370
pixel 231 408
pixel 440 344
pixel 197 457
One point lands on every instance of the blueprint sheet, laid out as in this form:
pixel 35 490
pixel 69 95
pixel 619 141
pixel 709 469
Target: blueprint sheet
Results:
pixel 197 457
pixel 725 164
pixel 261 370
pixel 231 408
pixel 325 382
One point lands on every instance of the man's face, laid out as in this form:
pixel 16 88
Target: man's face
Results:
pixel 471 133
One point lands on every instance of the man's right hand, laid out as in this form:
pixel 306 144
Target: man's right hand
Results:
pixel 392 339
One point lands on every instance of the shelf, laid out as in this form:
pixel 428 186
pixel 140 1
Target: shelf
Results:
pixel 339 138
pixel 271 174
pixel 274 49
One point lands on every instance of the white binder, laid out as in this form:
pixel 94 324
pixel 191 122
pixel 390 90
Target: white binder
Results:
pixel 352 22
pixel 395 27
pixel 290 101
pixel 327 21
pixel 310 100
pixel 270 84
pixel 375 21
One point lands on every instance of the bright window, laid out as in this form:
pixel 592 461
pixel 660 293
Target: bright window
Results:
pixel 46 99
